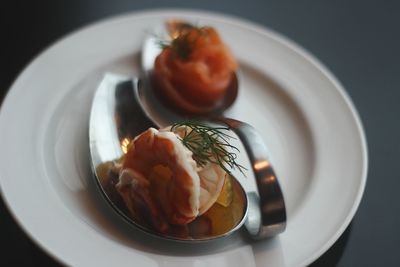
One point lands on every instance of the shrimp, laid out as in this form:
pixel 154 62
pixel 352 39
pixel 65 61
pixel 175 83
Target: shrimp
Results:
pixel 134 189
pixel 160 179
pixel 212 178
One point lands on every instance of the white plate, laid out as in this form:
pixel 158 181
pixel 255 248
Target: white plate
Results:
pixel 308 122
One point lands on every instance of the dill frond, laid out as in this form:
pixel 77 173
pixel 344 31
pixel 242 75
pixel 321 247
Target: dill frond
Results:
pixel 209 144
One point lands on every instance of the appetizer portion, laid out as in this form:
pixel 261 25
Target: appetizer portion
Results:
pixel 195 69
pixel 176 180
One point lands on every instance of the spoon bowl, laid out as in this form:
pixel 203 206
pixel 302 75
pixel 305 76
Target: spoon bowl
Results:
pixel 116 118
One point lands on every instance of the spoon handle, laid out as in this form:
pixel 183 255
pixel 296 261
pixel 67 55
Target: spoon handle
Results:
pixel 267 211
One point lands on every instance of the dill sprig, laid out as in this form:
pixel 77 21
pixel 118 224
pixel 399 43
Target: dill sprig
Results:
pixel 181 47
pixel 182 42
pixel 209 144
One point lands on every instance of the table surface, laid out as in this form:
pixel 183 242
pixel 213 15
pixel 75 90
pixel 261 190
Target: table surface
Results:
pixel 358 41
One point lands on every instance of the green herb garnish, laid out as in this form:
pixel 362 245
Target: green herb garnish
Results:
pixel 183 43
pixel 209 144
pixel 182 47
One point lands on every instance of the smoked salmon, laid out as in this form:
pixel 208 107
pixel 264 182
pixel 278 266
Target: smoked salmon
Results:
pixel 194 70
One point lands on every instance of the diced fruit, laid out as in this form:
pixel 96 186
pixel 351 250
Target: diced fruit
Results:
pixel 226 195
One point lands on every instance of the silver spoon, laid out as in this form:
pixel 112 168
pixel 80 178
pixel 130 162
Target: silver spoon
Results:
pixel 120 111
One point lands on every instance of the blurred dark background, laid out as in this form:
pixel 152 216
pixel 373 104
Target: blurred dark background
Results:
pixel 358 41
